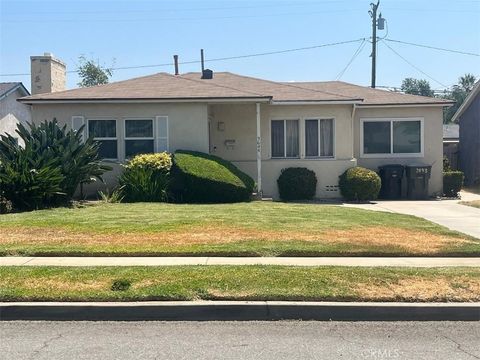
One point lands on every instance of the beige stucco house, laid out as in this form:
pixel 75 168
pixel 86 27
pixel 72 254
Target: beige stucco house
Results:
pixel 261 126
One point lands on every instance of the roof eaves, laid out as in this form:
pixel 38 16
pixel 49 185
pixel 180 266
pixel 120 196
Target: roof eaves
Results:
pixel 466 103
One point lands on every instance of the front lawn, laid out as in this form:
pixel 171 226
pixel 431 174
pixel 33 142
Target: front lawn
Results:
pixel 239 283
pixel 243 229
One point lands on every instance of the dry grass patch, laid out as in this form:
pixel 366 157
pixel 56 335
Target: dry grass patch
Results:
pixel 418 288
pixel 376 236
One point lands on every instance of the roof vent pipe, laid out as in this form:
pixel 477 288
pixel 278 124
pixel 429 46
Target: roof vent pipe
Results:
pixel 202 60
pixel 175 61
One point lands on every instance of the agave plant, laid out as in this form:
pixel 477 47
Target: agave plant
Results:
pixel 49 167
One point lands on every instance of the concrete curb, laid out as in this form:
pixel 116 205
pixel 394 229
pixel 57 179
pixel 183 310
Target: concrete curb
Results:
pixel 238 310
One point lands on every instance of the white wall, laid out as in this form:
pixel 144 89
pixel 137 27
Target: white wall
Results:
pixel 187 125
pixel 12 113
pixel 239 123
pixel 433 140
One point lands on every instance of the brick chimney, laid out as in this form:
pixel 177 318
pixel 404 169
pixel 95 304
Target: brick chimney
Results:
pixel 48 74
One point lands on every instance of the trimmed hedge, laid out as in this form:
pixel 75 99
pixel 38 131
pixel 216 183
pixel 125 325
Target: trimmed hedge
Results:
pixel 359 184
pixel 297 183
pixel 203 178
pixel 452 183
pixel 146 177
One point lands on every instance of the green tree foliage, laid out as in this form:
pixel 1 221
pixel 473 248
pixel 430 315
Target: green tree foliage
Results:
pixel 459 93
pixel 49 167
pixel 92 73
pixel 417 87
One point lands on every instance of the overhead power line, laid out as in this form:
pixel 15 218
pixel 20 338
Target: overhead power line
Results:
pixel 354 56
pixel 412 65
pixel 221 58
pixel 433 47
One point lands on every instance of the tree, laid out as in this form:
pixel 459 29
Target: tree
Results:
pixel 458 93
pixel 417 87
pixel 92 73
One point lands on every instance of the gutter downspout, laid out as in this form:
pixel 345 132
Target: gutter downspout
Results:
pixel 259 154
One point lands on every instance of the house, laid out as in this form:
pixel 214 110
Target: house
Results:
pixel 468 117
pixel 451 143
pixel 12 112
pixel 261 126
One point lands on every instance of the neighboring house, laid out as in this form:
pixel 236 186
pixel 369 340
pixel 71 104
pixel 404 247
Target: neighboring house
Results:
pixel 11 111
pixel 468 117
pixel 261 126
pixel 450 144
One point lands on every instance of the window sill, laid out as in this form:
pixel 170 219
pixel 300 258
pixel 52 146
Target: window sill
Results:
pixel 391 156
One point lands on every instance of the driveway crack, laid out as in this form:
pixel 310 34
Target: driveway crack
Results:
pixel 45 345
pixel 459 347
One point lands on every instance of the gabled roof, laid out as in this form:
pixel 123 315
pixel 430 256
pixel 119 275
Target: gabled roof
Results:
pixel 451 131
pixel 372 96
pixel 228 86
pixel 468 100
pixel 6 88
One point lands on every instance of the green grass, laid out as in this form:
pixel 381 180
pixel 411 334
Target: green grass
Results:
pixel 238 283
pixel 254 229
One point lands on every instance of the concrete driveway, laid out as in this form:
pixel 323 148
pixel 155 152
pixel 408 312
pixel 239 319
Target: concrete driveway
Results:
pixel 448 213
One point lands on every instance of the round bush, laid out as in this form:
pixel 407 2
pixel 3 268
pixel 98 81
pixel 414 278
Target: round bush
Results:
pixel 146 177
pixel 452 183
pixel 202 178
pixel 297 184
pixel 359 184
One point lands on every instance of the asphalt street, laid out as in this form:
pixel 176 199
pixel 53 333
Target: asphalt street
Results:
pixel 239 340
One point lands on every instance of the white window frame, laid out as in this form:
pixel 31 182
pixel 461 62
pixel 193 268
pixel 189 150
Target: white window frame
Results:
pixel 392 154
pixel 318 118
pixel 125 138
pixel 285 138
pixel 105 138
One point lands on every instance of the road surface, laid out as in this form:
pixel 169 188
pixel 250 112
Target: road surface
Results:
pixel 239 340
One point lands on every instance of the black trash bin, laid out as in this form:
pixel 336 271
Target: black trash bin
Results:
pixel 418 177
pixel 391 176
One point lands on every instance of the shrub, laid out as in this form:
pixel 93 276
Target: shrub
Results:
pixel 146 178
pixel 297 184
pixel 452 183
pixel 203 178
pixel 49 167
pixel 5 205
pixel 446 164
pixel 359 184
pixel 120 285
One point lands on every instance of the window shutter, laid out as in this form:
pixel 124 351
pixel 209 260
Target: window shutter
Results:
pixel 77 123
pixel 162 133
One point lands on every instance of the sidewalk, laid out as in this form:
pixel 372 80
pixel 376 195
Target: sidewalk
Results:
pixel 285 261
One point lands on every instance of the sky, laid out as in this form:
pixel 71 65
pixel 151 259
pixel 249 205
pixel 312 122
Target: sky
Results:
pixel 141 33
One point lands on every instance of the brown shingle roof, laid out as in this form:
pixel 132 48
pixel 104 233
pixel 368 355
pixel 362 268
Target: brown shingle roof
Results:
pixel 371 96
pixel 225 85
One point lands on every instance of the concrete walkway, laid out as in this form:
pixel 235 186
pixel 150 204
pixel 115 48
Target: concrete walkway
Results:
pixel 448 213
pixel 288 261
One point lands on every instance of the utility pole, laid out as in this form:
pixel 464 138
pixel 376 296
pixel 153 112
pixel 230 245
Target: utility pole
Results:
pixel 375 23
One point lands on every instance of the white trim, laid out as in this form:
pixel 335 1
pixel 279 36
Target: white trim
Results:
pixel 315 102
pixel 125 138
pixel 361 106
pixel 75 128
pixel 259 150
pixel 392 154
pixel 285 138
pixel 266 99
pixel 104 118
pixel 157 137
pixel 334 145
